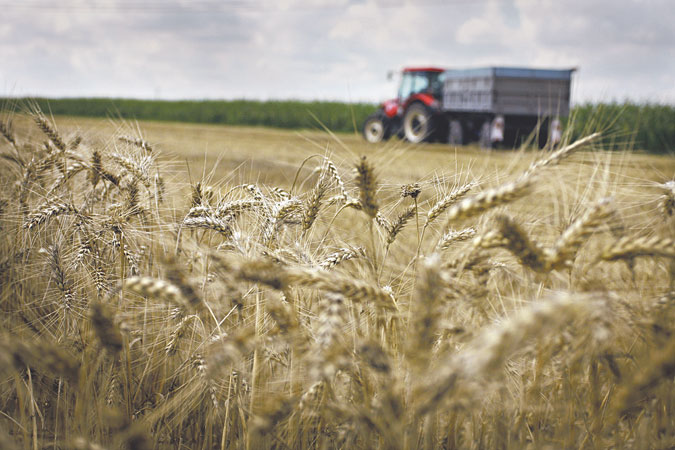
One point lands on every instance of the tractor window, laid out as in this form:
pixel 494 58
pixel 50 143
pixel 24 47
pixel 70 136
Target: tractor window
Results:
pixel 436 82
pixel 417 82
pixel 406 85
pixel 420 82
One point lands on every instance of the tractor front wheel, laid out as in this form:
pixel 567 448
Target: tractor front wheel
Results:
pixel 375 128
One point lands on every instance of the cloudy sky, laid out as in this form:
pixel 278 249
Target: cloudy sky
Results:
pixel 326 49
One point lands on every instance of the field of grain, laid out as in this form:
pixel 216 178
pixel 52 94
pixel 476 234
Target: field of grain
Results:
pixel 648 126
pixel 184 286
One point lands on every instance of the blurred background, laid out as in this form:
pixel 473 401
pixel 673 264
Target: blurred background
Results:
pixel 315 63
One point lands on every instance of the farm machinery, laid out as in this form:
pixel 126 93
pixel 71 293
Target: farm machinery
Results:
pixel 496 106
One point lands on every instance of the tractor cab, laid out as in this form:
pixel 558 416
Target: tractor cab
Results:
pixel 426 80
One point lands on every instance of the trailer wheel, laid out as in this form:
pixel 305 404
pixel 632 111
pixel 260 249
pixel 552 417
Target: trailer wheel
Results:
pixel 417 123
pixel 375 128
pixel 456 135
pixel 485 141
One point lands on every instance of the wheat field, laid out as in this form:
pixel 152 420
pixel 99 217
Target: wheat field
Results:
pixel 204 287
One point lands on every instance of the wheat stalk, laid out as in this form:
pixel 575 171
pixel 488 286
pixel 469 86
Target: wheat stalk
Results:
pixel 75 143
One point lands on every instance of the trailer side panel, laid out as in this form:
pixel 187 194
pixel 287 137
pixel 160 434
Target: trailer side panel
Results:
pixel 531 96
pixel 507 91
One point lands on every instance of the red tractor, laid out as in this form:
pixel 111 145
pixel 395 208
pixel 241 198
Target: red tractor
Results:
pixel 494 105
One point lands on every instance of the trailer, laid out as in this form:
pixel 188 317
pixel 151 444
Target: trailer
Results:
pixel 496 106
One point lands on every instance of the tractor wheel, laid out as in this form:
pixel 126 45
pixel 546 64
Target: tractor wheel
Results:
pixel 376 128
pixel 417 123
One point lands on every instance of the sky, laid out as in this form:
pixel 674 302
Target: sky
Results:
pixel 326 49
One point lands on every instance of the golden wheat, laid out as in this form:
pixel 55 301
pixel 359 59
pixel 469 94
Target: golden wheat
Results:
pixel 213 314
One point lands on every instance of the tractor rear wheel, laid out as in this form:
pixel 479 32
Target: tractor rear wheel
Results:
pixel 376 128
pixel 417 123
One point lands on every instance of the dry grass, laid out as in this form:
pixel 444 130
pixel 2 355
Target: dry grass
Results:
pixel 297 295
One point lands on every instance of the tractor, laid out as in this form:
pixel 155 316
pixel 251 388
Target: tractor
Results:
pixel 495 106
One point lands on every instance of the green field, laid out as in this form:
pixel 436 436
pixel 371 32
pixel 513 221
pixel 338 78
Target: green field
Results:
pixel 649 127
pixel 173 285
pixel 336 116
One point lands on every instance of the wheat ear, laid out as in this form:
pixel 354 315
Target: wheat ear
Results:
pixel 629 247
pixel 8 134
pixel 661 366
pixel 424 317
pixel 667 200
pixel 567 246
pixel 47 211
pixel 209 223
pixel 49 357
pixel 136 142
pixel 528 252
pixel 156 288
pixel 313 203
pixel 560 154
pixel 443 204
pixel 342 254
pixel 69 173
pixel 107 331
pixel 367 184
pixel 486 353
pixel 332 170
pixel 491 198
pixel 138 170
pixel 453 236
pixel 59 277
pixel 50 131
pixel 401 220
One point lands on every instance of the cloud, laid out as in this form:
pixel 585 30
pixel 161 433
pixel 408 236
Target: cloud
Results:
pixel 497 26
